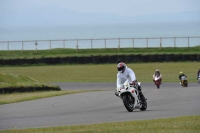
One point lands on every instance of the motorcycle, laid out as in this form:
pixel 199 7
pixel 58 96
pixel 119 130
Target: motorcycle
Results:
pixel 131 97
pixel 199 79
pixel 157 82
pixel 184 81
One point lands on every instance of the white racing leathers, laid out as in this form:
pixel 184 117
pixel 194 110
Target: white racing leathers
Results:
pixel 127 76
pixel 156 76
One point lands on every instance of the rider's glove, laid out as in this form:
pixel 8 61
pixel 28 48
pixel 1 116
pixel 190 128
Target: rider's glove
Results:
pixel 133 83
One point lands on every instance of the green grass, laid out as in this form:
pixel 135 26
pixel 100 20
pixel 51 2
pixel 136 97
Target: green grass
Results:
pixel 26 96
pixel 15 84
pixel 87 52
pixel 19 83
pixel 186 124
pixel 104 72
pixel 100 73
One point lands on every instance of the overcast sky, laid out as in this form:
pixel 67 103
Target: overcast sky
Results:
pixel 12 11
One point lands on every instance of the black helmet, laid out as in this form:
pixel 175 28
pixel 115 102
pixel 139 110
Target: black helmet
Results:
pixel 121 66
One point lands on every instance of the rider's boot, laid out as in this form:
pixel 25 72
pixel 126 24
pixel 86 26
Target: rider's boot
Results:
pixel 154 81
pixel 140 93
pixel 116 93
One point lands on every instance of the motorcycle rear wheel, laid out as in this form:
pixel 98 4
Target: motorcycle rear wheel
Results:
pixel 128 102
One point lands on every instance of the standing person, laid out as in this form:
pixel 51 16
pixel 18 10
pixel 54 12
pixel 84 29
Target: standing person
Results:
pixel 198 73
pixel 180 75
pixel 157 74
pixel 125 74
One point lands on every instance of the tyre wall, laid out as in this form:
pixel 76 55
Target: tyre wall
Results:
pixel 101 59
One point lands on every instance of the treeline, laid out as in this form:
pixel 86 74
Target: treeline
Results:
pixel 101 59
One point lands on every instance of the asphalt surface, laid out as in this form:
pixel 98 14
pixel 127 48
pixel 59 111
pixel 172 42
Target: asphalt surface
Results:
pixel 171 100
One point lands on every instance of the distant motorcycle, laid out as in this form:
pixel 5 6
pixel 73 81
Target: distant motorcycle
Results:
pixel 157 81
pixel 131 97
pixel 199 79
pixel 184 81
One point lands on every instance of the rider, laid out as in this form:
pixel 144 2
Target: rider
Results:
pixel 125 74
pixel 198 73
pixel 180 75
pixel 157 74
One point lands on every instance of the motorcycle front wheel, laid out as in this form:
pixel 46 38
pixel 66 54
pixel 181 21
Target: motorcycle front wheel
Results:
pixel 128 102
pixel 158 84
pixel 185 83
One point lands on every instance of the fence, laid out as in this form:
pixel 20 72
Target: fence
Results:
pixel 156 42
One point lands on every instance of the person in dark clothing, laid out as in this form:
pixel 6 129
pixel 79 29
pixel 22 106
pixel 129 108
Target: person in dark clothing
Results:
pixel 180 75
pixel 198 74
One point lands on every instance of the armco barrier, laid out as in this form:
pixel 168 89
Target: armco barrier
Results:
pixel 100 59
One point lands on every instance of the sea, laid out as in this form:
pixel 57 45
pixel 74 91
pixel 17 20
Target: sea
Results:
pixel 132 35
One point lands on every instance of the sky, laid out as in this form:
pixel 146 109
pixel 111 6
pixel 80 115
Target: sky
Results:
pixel 69 12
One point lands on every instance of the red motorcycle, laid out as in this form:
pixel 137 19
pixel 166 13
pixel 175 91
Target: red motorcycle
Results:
pixel 157 81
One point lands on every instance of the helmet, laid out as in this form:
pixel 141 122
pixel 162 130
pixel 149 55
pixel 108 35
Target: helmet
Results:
pixel 121 67
pixel 157 70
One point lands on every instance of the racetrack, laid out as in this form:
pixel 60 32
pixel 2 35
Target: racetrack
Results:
pixel 171 100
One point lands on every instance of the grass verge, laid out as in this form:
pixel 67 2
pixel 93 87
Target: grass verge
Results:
pixel 10 83
pixel 186 124
pixel 19 97
pixel 104 72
